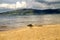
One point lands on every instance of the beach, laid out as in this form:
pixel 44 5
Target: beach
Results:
pixel 45 27
pixel 37 32
pixel 29 19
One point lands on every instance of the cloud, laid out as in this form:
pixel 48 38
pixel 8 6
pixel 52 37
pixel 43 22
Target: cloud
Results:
pixel 13 6
pixel 52 0
pixel 46 4
pixel 35 4
pixel 47 0
pixel 9 1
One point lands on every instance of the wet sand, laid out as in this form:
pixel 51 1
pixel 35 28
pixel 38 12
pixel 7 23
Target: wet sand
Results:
pixel 37 32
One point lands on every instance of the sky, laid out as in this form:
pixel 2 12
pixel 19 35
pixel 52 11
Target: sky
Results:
pixel 6 5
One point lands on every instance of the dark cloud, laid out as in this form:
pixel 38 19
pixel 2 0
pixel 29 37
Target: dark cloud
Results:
pixel 48 0
pixel 9 1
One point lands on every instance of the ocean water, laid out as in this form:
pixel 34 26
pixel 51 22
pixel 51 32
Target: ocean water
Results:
pixel 18 20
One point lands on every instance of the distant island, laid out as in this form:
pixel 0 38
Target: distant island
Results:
pixel 31 12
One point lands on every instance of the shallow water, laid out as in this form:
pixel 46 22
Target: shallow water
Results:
pixel 18 20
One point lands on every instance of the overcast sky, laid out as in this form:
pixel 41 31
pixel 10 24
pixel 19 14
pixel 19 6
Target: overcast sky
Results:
pixel 37 4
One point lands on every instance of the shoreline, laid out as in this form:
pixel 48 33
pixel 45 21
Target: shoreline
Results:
pixel 45 32
pixel 7 28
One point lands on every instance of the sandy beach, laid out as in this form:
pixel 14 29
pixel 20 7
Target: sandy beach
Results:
pixel 37 32
pixel 29 19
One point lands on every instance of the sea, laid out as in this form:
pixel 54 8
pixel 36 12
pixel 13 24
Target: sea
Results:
pixel 23 20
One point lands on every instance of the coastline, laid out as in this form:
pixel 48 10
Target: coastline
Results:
pixel 44 32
